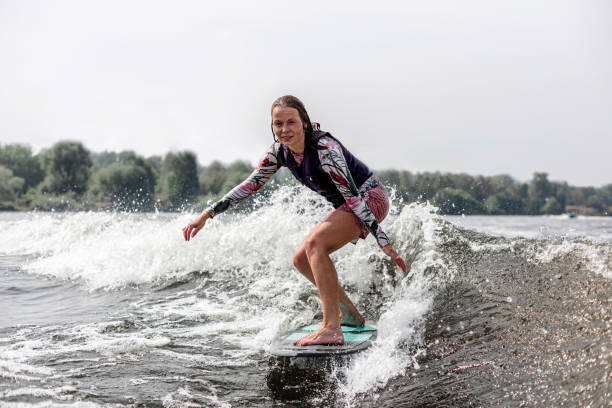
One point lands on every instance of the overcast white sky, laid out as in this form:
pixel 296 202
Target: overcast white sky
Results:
pixel 482 87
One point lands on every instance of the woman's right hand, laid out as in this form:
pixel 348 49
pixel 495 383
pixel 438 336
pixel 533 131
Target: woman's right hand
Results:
pixel 388 249
pixel 191 229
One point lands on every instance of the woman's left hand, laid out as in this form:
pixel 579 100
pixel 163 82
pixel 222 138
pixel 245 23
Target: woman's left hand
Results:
pixel 388 249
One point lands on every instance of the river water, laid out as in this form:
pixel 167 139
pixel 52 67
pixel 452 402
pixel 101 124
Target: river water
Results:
pixel 110 309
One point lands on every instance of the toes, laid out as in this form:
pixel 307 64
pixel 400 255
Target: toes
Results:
pixel 303 341
pixel 320 337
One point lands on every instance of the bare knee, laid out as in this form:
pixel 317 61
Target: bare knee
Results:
pixel 299 258
pixel 314 245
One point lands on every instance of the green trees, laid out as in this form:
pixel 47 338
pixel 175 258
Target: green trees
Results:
pixel 551 206
pixel 544 197
pixel 605 193
pixel 497 195
pixel 537 193
pixel 129 183
pixel 179 178
pixel 10 188
pixel 218 179
pixel 454 201
pixel 20 161
pixel 504 204
pixel 68 167
pixel 212 178
pixel 68 177
pixel 237 172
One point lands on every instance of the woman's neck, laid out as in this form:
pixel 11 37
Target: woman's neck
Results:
pixel 298 149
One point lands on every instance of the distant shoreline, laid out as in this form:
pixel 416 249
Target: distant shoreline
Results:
pixel 68 177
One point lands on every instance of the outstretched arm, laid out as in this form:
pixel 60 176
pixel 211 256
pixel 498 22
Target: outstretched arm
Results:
pixel 264 172
pixel 334 163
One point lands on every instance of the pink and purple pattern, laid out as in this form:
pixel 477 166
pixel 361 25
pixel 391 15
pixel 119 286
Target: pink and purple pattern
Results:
pixel 333 163
pixel 264 172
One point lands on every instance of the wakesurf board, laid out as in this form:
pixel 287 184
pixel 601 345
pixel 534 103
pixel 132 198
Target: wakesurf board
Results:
pixel 356 339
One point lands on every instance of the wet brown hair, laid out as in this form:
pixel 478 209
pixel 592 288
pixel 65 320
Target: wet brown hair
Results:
pixel 290 101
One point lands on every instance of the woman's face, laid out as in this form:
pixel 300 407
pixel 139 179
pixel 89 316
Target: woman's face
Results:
pixel 288 128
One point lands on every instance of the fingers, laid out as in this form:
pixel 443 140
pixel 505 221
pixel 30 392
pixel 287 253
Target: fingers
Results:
pixel 388 249
pixel 195 231
pixel 191 229
pixel 400 262
pixel 187 232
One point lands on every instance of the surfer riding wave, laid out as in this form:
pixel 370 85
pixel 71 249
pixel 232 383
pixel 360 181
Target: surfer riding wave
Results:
pixel 320 162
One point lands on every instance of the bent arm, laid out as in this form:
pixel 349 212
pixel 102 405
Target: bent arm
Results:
pixel 264 172
pixel 333 163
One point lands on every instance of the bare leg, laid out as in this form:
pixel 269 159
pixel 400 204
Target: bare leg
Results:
pixel 349 314
pixel 339 229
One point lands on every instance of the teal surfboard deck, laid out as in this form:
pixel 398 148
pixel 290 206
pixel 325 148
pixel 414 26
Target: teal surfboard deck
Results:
pixel 355 339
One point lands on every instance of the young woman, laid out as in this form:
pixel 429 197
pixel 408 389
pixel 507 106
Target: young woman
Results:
pixel 322 163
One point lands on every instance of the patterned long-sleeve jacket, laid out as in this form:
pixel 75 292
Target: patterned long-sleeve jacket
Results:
pixel 329 163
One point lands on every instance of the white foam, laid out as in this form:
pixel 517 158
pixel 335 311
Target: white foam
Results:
pixel 15 364
pixel 178 397
pixel 11 366
pixel 249 254
pixel 598 257
pixel 16 358
pixel 52 404
pixel 61 393
pixel 400 329
pixel 109 250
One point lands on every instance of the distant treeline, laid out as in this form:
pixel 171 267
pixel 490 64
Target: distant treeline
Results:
pixel 69 177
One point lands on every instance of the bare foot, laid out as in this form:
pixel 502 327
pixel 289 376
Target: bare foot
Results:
pixel 322 335
pixel 350 316
pixel 352 320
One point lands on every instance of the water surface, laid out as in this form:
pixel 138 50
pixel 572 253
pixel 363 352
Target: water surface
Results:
pixel 116 309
